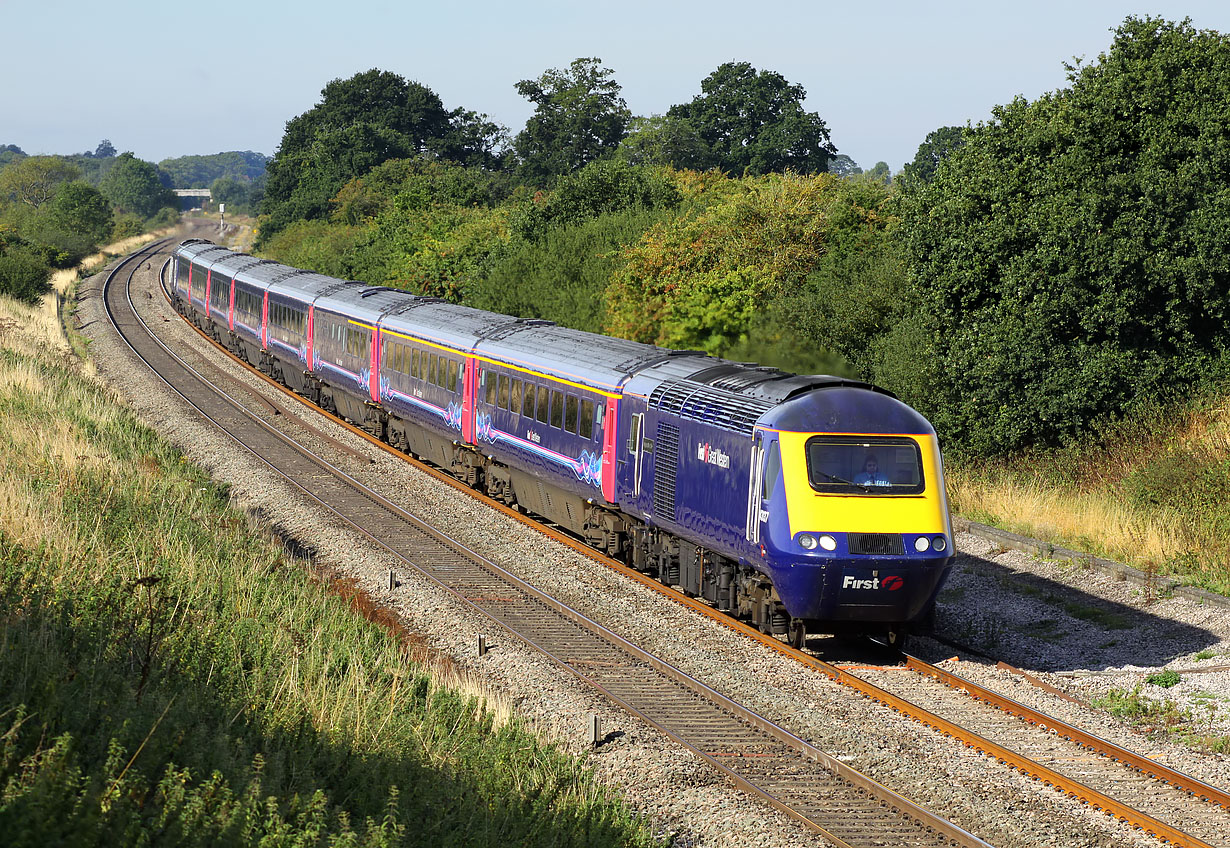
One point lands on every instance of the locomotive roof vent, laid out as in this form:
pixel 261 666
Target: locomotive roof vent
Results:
pixel 689 399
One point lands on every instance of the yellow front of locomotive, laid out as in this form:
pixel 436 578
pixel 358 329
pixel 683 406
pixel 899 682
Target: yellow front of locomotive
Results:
pixel 858 535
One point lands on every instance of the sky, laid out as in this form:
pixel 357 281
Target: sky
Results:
pixel 166 80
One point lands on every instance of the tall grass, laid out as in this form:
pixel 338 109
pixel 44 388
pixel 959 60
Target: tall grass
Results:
pixel 168 678
pixel 1152 491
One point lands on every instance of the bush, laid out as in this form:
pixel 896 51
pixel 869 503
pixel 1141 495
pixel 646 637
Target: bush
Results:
pixel 127 225
pixel 563 277
pixel 24 275
pixel 1071 256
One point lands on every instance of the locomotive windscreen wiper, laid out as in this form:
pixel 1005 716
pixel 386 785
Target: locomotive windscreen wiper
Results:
pixel 866 487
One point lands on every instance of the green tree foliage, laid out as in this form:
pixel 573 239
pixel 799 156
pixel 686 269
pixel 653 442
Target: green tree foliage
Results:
pixel 358 124
pixel 753 121
pixel 242 166
pixel 10 152
pixel 75 221
pixel 33 180
pixel 24 274
pixel 133 185
pixel 600 187
pixel 880 172
pixel 663 140
pixel 578 117
pixel 934 149
pixel 699 279
pixel 1072 257
pixel 105 149
pixel 843 166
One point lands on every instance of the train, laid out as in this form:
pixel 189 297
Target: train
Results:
pixel 802 504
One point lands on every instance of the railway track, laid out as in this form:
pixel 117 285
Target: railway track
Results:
pixel 749 750
pixel 1171 806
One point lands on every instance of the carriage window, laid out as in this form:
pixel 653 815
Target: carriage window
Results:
pixel 432 362
pixel 503 396
pixel 544 401
pixel 557 409
pixel 587 418
pixel 527 401
pixel 452 375
pixel 489 380
pixel 570 415
pixel 515 401
pixel 864 465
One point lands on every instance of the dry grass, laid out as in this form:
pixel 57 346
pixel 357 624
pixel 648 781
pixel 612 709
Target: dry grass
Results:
pixel 1097 519
pixel 1152 496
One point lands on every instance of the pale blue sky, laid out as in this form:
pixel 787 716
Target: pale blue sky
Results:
pixel 172 79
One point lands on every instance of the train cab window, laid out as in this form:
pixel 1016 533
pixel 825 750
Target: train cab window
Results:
pixel 772 470
pixel 570 414
pixel 587 419
pixel 864 465
pixel 514 403
pixel 557 409
pixel 503 393
pixel 544 402
pixel 452 375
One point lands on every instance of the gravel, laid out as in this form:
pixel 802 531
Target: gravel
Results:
pixel 995 602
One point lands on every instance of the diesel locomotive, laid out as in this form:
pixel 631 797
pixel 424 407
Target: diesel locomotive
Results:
pixel 800 503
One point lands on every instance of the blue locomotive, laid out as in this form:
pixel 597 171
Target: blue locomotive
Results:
pixel 797 502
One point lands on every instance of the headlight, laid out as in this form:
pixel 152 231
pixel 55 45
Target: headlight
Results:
pixel 808 541
pixel 828 542
pixel 939 543
pixel 922 544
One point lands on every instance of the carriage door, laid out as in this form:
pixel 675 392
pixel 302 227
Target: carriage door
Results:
pixel 755 477
pixel 634 451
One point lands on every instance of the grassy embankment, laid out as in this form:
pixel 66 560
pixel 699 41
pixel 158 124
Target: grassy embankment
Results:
pixel 166 677
pixel 1153 492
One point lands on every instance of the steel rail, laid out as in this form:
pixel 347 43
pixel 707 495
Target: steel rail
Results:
pixel 1106 748
pixel 1025 765
pixel 924 821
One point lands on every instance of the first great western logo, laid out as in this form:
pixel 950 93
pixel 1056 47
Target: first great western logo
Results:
pixel 707 453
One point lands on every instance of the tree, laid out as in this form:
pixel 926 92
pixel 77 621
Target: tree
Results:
pixel 753 121
pixel 80 208
pixel 880 173
pixel 934 149
pixel 663 140
pixel 34 179
pixel 1071 257
pixel 199 171
pixel 578 117
pixel 843 166
pixel 597 189
pixel 105 149
pixel 9 153
pixel 133 185
pixel 358 124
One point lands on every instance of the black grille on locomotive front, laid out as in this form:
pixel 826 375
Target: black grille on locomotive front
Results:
pixel 885 544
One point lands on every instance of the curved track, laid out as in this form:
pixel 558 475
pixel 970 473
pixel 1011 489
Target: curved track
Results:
pixel 1134 789
pixel 752 752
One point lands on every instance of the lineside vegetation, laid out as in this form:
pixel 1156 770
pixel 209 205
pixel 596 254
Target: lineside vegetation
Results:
pixel 168 678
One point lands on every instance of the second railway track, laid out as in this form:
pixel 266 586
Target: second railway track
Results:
pixel 775 770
